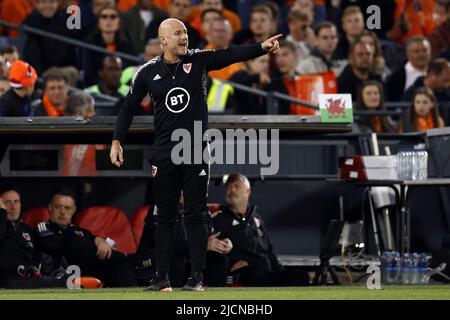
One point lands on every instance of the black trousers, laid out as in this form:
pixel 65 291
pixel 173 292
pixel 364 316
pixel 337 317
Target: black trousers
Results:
pixel 114 272
pixel 169 181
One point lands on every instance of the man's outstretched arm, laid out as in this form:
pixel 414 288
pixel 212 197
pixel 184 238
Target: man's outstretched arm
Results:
pixel 215 60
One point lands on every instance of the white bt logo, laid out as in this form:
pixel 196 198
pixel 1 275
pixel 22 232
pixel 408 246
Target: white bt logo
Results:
pixel 177 99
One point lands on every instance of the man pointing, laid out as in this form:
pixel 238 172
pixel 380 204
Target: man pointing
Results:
pixel 176 82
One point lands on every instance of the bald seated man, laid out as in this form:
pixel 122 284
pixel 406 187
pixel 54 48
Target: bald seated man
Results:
pixel 176 82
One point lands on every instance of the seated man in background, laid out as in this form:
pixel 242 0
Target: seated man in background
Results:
pixel 94 255
pixel 109 75
pixel 252 259
pixel 20 262
pixel 80 104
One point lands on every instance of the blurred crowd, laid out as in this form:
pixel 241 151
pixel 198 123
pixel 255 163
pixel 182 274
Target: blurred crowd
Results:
pixel 399 53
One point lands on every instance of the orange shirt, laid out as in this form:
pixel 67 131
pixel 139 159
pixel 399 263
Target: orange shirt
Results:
pixel 225 73
pixel 195 20
pixel 420 17
pixel 14 11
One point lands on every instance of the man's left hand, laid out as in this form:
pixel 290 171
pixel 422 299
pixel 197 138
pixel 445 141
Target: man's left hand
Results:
pixel 271 45
pixel 104 250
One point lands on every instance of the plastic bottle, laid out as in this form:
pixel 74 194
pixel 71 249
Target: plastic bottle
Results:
pixel 385 266
pixel 400 165
pixel 424 165
pixel 423 268
pixel 415 276
pixel 396 267
pixel 406 269
pixel 414 165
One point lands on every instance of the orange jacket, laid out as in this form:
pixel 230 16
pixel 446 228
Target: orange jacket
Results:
pixel 14 11
pixel 420 17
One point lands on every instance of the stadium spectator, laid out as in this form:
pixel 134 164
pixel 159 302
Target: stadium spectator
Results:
pixel 286 61
pixel 358 70
pixel 109 75
pixel 90 12
pixel 300 33
pixel 440 38
pixel 208 17
pixel 353 26
pixel 437 79
pixel 379 63
pixel 220 36
pixel 56 92
pixel 386 18
pixel 413 18
pixel 80 104
pixel 252 259
pixel 261 26
pixel 43 52
pixel 418 52
pixel 108 34
pixel 220 98
pixel 15 12
pixel 152 49
pixel 95 257
pixel 371 98
pixel 8 55
pixel 321 58
pixel 137 19
pixel 178 9
pixel 255 74
pixel 195 16
pixel 424 112
pixel 4 85
pixel 304 6
pixel 17 102
pixel 20 261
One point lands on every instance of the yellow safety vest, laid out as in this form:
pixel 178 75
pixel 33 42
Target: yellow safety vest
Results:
pixel 218 95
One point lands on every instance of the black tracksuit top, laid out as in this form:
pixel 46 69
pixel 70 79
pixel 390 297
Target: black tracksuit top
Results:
pixel 178 92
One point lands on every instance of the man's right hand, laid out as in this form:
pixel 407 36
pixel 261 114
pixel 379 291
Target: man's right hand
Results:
pixel 217 245
pixel 2 204
pixel 116 153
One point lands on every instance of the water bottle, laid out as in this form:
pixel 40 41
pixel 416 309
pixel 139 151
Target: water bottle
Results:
pixel 415 276
pixel 423 165
pixel 406 269
pixel 400 165
pixel 414 164
pixel 396 267
pixel 423 268
pixel 385 266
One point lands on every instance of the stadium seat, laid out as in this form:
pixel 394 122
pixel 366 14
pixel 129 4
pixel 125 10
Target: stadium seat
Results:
pixel 34 216
pixel 138 221
pixel 109 222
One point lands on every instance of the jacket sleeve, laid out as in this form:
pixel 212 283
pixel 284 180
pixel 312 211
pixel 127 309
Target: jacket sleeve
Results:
pixel 275 264
pixel 2 224
pixel 131 103
pixel 218 59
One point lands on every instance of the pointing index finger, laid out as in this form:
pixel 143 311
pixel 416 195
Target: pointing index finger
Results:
pixel 278 36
